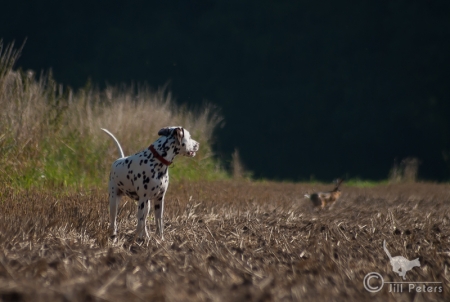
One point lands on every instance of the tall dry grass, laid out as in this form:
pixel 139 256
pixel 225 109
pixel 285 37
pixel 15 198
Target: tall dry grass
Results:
pixel 51 135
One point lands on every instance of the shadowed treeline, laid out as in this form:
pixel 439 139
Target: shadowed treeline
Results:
pixel 306 88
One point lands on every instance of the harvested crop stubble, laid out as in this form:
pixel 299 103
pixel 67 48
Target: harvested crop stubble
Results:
pixel 225 241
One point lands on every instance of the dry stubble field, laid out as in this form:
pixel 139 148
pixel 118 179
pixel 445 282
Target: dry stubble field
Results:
pixel 224 241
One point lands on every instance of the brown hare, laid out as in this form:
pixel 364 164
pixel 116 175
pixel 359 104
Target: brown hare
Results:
pixel 322 199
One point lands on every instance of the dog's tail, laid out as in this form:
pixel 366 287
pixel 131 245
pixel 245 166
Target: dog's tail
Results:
pixel 386 250
pixel 117 142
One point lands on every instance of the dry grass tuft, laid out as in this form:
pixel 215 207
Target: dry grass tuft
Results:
pixel 225 241
pixel 406 171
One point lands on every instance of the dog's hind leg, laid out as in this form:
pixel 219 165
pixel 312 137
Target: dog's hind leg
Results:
pixel 114 201
pixel 142 213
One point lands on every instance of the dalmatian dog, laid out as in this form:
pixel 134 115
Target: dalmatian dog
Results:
pixel 144 176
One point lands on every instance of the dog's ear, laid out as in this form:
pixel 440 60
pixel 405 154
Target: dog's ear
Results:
pixel 179 134
pixel 164 132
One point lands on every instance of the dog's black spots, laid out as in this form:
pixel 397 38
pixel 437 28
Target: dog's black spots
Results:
pixel 139 175
pixel 145 195
pixel 126 161
pixel 183 144
pixel 145 161
pixel 157 206
pixel 143 172
pixel 128 176
pixel 141 206
pixel 137 189
pixel 145 187
pixel 132 194
pixel 117 164
pixel 146 180
pixel 135 178
pixel 129 164
pixel 132 182
pixel 153 189
pixel 140 163
pixel 160 174
pixel 120 183
pixel 160 198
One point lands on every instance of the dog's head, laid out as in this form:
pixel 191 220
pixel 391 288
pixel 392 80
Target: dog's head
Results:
pixel 183 140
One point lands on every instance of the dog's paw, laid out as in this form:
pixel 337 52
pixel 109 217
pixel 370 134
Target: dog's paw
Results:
pixel 113 238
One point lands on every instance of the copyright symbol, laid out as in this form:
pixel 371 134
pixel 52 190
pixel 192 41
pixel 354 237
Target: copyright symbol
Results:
pixel 370 288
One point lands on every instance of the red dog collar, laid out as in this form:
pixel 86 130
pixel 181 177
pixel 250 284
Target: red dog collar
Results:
pixel 159 157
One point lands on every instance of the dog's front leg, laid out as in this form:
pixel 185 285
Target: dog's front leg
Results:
pixel 159 211
pixel 142 213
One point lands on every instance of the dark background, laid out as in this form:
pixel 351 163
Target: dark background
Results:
pixel 307 88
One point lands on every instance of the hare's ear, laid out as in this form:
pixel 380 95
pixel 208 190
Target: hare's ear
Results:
pixel 164 132
pixel 179 134
pixel 338 182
